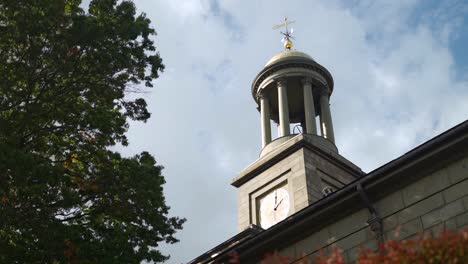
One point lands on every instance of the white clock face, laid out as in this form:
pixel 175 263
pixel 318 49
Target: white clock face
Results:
pixel 274 207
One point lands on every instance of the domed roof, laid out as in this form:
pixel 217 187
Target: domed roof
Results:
pixel 287 55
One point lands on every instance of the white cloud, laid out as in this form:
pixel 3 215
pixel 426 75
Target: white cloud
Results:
pixel 186 9
pixel 395 88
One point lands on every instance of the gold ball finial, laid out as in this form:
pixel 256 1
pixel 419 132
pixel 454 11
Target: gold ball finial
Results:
pixel 288 44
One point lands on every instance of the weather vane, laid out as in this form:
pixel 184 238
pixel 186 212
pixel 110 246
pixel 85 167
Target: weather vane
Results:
pixel 287 35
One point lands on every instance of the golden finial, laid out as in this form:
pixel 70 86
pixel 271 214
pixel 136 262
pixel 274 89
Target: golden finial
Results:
pixel 287 35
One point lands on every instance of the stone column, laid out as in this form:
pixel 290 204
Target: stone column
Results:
pixel 283 108
pixel 265 116
pixel 309 108
pixel 326 123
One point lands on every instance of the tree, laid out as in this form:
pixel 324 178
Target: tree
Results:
pixel 450 246
pixel 64 196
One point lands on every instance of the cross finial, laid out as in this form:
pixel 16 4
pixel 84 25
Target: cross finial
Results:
pixel 287 35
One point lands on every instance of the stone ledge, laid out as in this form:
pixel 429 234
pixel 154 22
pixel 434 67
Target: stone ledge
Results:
pixel 289 147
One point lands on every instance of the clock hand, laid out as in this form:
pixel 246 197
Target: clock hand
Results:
pixel 275 196
pixel 278 204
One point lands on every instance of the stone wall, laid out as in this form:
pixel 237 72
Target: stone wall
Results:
pixel 290 169
pixel 323 171
pixel 304 173
pixel 435 201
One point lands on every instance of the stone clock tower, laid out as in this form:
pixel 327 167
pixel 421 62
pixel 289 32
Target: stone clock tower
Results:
pixel 293 170
pixel 300 197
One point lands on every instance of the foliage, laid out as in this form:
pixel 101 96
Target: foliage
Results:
pixel 449 247
pixel 64 196
pixel 336 257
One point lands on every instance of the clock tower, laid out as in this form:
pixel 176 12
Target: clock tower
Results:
pixel 301 197
pixel 301 166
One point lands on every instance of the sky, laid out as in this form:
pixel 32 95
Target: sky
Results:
pixel 401 77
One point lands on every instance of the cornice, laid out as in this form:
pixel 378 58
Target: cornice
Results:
pixel 293 63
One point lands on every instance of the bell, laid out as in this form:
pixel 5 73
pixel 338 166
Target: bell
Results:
pixel 288 44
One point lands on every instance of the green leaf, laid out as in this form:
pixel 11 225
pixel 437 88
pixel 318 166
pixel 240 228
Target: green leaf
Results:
pixel 68 9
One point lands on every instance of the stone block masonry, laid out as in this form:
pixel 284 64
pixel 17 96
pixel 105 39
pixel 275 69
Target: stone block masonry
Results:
pixel 437 201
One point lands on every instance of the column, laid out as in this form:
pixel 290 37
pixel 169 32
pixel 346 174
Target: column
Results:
pixel 265 116
pixel 283 108
pixel 309 108
pixel 326 124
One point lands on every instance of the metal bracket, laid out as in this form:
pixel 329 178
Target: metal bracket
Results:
pixel 374 221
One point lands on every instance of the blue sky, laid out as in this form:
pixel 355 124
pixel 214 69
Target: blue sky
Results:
pixel 401 78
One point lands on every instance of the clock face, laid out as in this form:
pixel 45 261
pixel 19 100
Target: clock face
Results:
pixel 274 207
